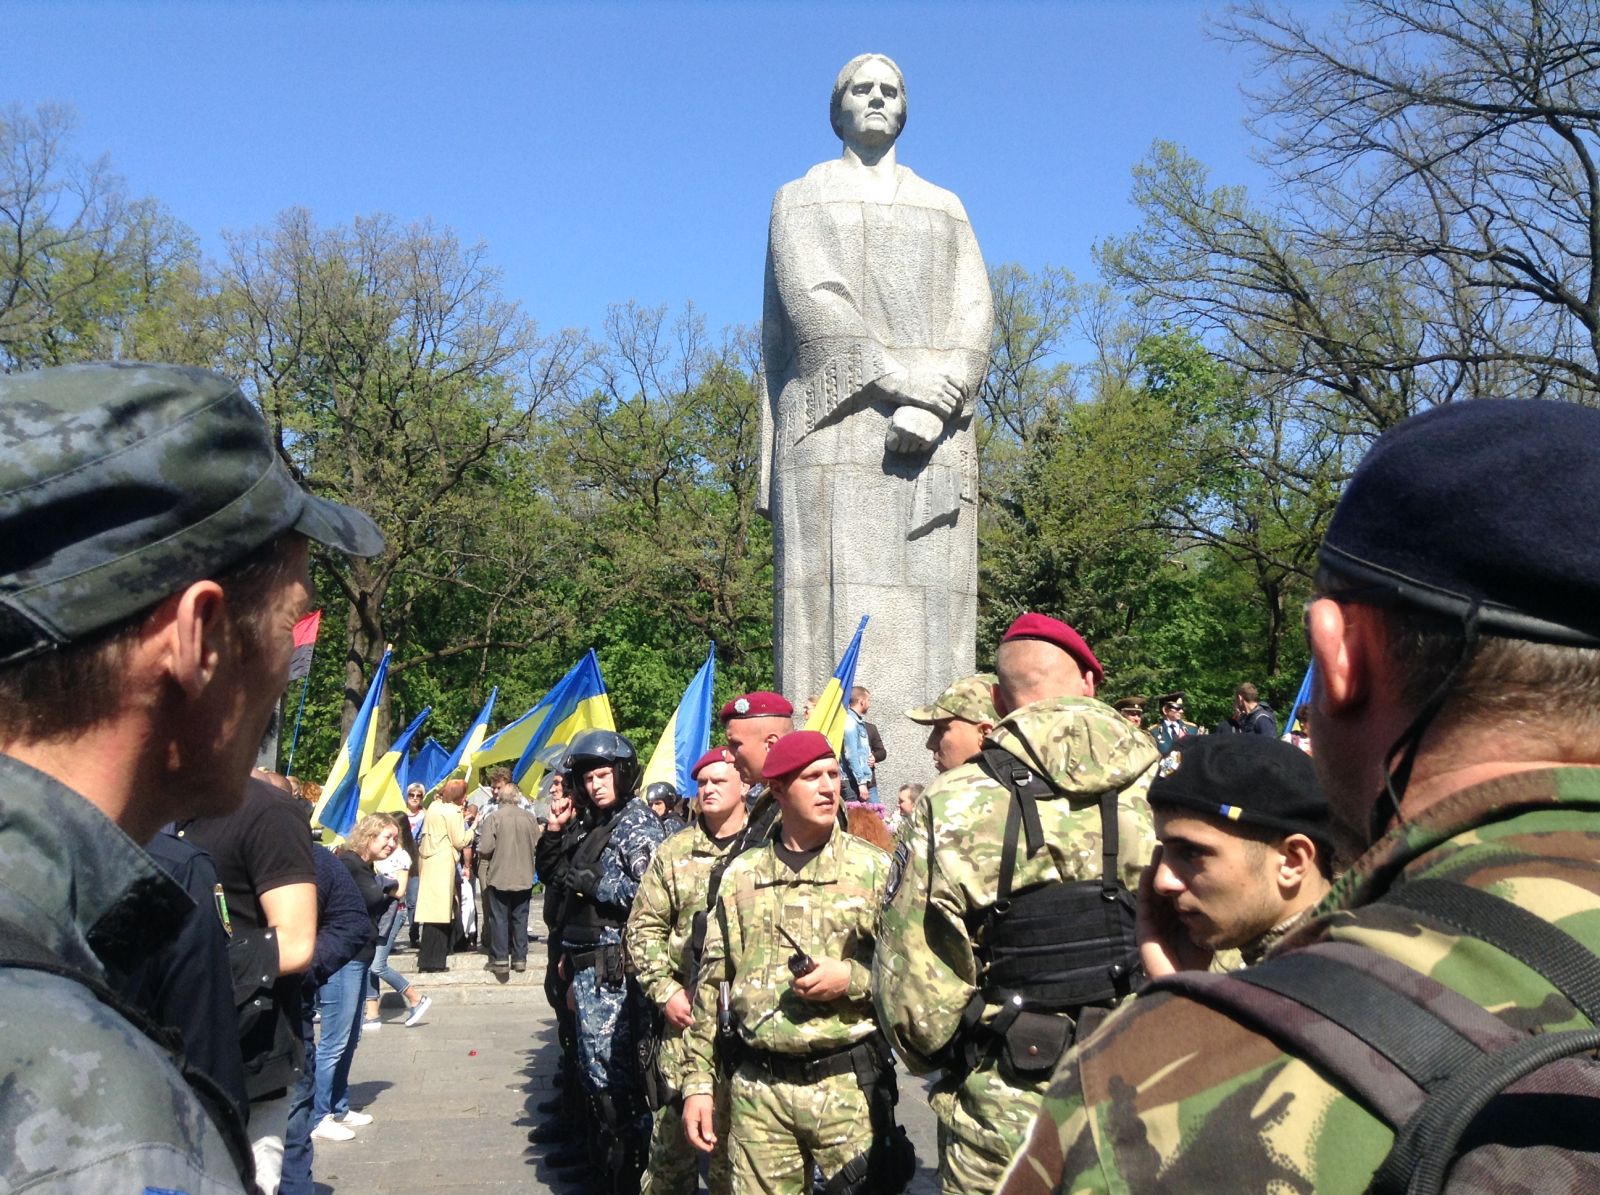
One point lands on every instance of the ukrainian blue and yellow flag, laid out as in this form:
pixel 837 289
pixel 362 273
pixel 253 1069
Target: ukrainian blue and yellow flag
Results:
pixel 459 763
pixel 341 795
pixel 828 714
pixel 578 702
pixel 383 787
pixel 688 732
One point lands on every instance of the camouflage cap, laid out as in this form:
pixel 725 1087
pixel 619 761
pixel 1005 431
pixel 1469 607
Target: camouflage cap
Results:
pixel 971 699
pixel 120 484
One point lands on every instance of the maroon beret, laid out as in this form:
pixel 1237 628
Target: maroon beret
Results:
pixel 1053 630
pixel 715 755
pixel 760 704
pixel 794 751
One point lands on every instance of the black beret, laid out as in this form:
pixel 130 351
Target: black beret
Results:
pixel 1248 778
pixel 1488 501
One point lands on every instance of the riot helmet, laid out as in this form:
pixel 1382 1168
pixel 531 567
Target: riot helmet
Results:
pixel 593 749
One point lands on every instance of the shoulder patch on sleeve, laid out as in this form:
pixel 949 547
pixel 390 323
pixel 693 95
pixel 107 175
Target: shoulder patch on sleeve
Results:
pixel 897 870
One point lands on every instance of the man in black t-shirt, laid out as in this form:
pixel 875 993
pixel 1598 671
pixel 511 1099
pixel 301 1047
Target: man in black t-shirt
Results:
pixel 262 853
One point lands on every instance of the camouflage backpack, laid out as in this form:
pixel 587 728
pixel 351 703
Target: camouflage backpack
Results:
pixel 1476 1104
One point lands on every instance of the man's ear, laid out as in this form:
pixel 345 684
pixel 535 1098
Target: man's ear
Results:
pixel 186 636
pixel 1001 706
pixel 1342 639
pixel 1299 860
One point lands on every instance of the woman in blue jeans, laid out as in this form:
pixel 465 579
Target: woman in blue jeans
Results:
pixel 339 998
pixel 397 868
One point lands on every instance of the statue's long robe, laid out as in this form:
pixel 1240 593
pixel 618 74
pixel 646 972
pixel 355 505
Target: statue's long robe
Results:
pixel 857 289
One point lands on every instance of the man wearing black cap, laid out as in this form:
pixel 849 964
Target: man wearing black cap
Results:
pixel 153 562
pixel 1456 641
pixel 1009 908
pixel 1244 856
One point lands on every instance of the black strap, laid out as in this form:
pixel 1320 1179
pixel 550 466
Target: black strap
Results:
pixel 20 950
pixel 1564 961
pixel 1028 785
pixel 1427 1144
pixel 1416 1041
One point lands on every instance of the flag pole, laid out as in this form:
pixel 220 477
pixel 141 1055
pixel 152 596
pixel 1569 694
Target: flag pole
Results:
pixel 294 739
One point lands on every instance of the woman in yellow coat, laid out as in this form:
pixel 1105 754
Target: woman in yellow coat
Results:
pixel 444 836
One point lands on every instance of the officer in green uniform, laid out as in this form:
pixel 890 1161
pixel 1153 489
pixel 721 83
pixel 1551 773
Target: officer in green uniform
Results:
pixel 1043 831
pixel 784 982
pixel 153 562
pixel 1456 641
pixel 666 931
pixel 1173 728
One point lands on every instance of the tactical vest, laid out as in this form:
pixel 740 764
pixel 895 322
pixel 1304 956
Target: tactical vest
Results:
pixel 585 915
pixel 1049 951
pixel 1056 945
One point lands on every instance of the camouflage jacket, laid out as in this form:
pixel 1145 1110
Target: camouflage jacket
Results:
pixel 635 834
pixel 829 907
pixel 87 1101
pixel 1170 1096
pixel 675 887
pixel 947 859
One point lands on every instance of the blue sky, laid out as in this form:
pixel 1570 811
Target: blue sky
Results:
pixel 614 151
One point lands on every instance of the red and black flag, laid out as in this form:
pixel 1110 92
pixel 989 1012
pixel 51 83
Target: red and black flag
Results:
pixel 305 642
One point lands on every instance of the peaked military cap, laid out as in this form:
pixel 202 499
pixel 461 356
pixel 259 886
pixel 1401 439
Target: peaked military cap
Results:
pixel 971 699
pixel 1248 778
pixel 760 704
pixel 1053 630
pixel 1167 699
pixel 1486 504
pixel 122 483
pixel 1127 704
pixel 794 751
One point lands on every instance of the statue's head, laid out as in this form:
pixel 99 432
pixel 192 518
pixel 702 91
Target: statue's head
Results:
pixel 869 83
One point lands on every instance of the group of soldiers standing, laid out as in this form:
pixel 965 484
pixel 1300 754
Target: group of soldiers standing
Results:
pixel 745 988
pixel 740 989
pixel 777 968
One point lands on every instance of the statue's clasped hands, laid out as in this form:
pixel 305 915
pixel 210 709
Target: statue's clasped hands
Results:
pixel 927 401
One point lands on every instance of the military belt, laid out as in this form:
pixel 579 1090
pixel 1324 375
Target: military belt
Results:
pixel 813 1068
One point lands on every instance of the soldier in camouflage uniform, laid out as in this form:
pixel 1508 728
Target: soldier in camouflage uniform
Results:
pixel 1456 662
pixel 791 939
pixel 752 723
pixel 958 720
pixel 929 975
pixel 602 876
pixel 153 563
pixel 666 927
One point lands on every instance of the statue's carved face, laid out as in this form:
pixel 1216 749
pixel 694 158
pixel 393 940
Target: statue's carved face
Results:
pixel 873 107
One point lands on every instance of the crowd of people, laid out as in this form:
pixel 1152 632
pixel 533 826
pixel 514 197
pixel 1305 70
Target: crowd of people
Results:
pixel 1129 959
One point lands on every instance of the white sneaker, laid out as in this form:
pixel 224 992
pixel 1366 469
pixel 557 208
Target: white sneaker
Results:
pixel 355 1120
pixel 329 1129
pixel 370 1027
pixel 417 1010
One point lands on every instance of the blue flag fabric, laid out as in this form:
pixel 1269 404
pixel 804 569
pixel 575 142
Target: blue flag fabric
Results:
pixel 688 732
pixel 426 766
pixel 471 743
pixel 1301 700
